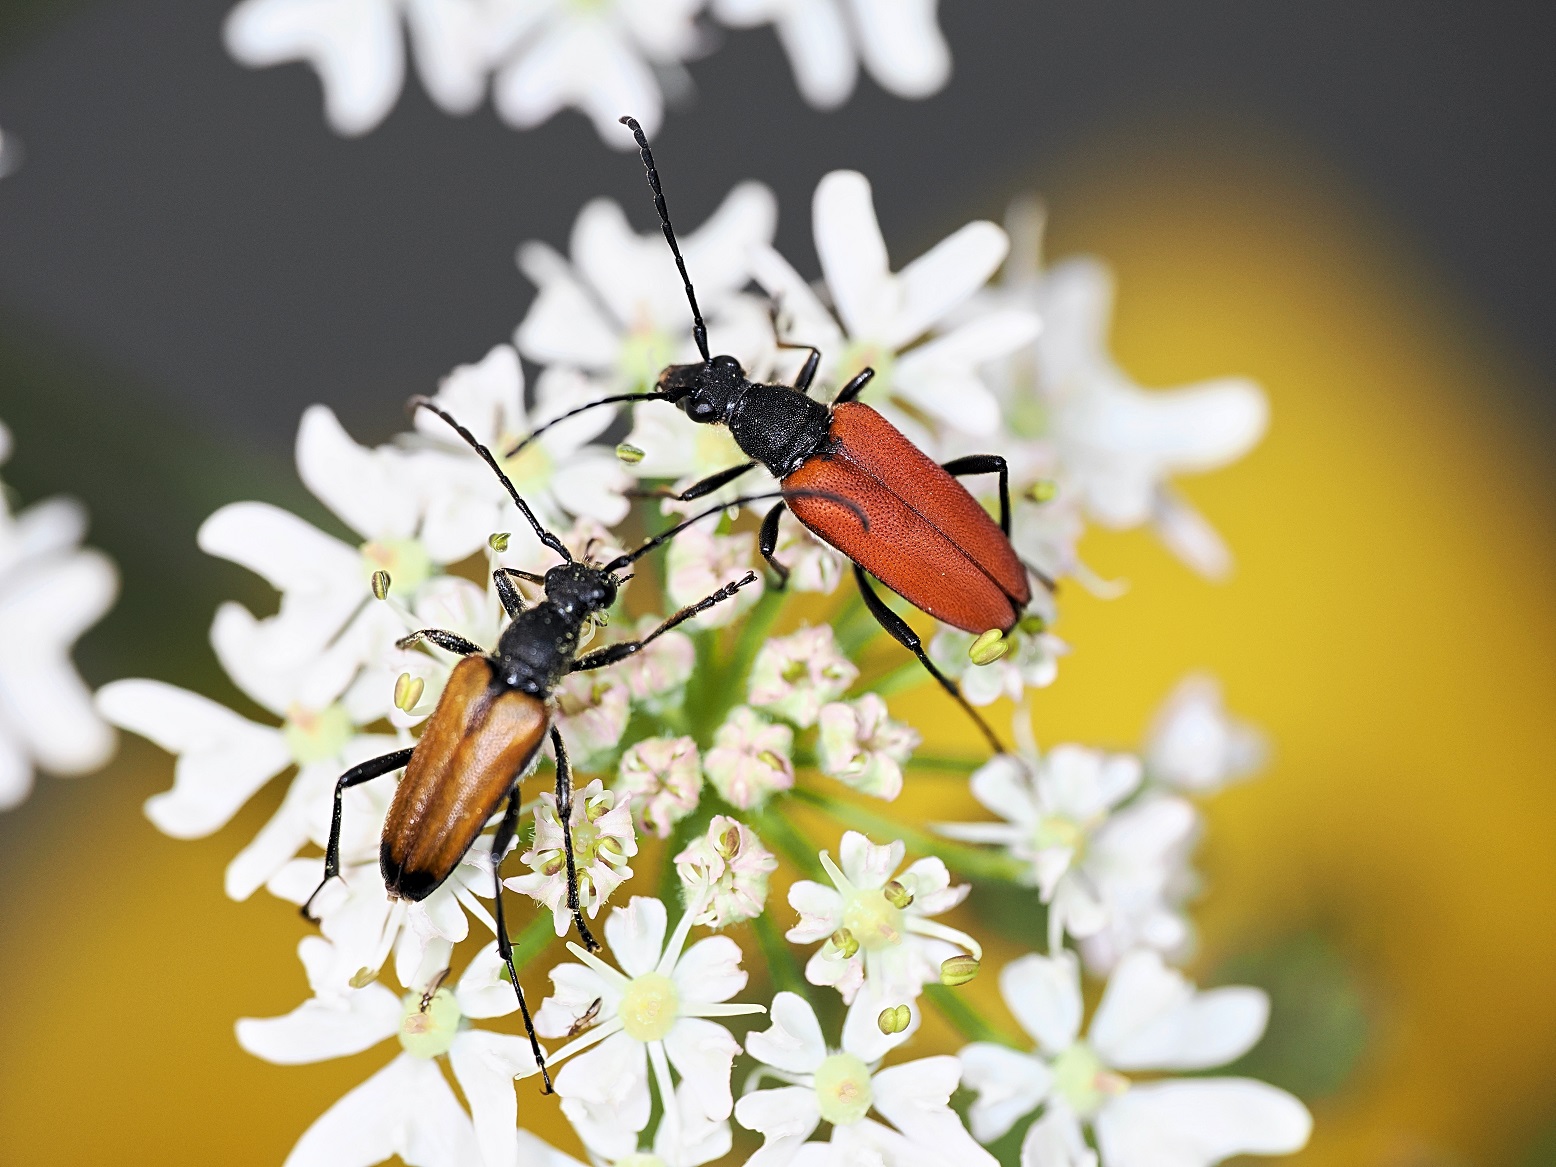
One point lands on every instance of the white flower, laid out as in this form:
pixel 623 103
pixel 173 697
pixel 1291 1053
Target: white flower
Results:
pixel 648 1017
pixel 328 625
pixel 700 562
pixel 592 710
pixel 749 761
pixel 603 842
pixel 881 315
pixel 224 759
pixel 356 47
pixel 842 1087
pixel 863 747
pixel 558 474
pixel 365 926
pixel 598 57
pixel 662 776
pixel 725 869
pixel 1031 662
pixel 678 449
pixel 1119 445
pixel 877 928
pixel 51 591
pixel 1194 746
pixel 794 676
pixel 898 40
pixel 813 566
pixel 406 1108
pixel 617 311
pixel 1097 869
pixel 1150 1019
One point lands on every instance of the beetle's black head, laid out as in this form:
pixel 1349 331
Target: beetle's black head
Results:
pixel 579 589
pixel 705 391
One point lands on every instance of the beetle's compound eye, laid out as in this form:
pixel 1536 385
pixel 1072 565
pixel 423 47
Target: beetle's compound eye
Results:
pixel 699 408
pixel 726 362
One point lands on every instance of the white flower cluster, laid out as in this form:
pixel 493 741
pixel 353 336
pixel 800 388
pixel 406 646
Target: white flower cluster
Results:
pixel 711 735
pixel 601 57
pixel 51 591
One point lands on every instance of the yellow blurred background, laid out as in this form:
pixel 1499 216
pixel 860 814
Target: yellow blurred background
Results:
pixel 1389 626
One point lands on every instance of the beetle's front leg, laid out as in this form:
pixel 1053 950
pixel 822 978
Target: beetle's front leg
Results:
pixel 564 813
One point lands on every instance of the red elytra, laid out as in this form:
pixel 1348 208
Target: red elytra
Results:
pixel 928 539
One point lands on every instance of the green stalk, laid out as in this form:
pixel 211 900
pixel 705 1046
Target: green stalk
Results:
pixel 781 833
pixel 908 675
pixel 966 1020
pixel 973 862
pixel 753 634
pixel 781 965
pixel 537 936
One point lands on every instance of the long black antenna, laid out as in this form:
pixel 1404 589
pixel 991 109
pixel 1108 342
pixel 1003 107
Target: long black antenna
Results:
pixel 616 400
pixel 699 329
pixel 546 536
pixel 665 536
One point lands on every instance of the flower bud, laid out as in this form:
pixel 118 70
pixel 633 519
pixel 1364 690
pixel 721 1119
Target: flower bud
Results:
pixel 897 895
pixel 380 585
pixel 407 691
pixel 631 455
pixel 958 970
pixel 498 541
pixel 988 648
pixel 894 1019
pixel 1033 624
pixel 1043 490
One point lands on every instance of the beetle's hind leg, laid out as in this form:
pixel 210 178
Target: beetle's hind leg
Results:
pixel 506 829
pixel 358 774
pixel 905 636
pixel 564 813
pixel 986 464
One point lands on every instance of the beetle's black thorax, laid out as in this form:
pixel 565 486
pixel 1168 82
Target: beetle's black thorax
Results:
pixel 537 649
pixel 779 427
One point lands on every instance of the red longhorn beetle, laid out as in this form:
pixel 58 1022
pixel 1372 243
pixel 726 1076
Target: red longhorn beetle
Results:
pixel 926 538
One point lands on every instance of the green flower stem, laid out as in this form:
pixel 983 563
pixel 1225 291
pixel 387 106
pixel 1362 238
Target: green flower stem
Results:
pixel 853 627
pixel 538 935
pixel 908 675
pixel 784 969
pixel 973 862
pixel 754 632
pixel 966 1020
pixel 777 829
pixel 944 764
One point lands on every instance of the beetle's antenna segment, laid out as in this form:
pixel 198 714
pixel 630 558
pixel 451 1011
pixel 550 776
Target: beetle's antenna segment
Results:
pixel 699 329
pixel 665 536
pixel 546 536
pixel 615 400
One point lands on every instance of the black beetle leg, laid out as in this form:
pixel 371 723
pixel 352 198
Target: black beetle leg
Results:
pixel 448 641
pixel 564 813
pixel 505 832
pixel 854 387
pixel 767 542
pixel 612 653
pixel 358 774
pixel 986 464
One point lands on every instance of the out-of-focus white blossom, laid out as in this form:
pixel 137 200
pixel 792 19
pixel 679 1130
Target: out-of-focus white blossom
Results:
pixel 51 591
pixel 603 844
pixel 656 675
pixel 1056 810
pixel 896 323
pixel 662 778
pixel 875 922
pixel 558 474
pixel 592 709
pixel 844 1087
pixel 1150 1019
pixel 1031 662
pixel 1195 746
pixel 813 566
pixel 726 870
pixel 863 747
pixel 407 1108
pixel 898 42
pixel 651 1015
pixel 750 761
pixel 699 563
pixel 794 676
pixel 616 309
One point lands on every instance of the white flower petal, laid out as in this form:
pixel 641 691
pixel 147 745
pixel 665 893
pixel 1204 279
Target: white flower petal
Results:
pixel 867 865
pixel 405 1109
pixel 485 1065
pixel 287 552
pixel 1009 1085
pixel 1151 1018
pixel 370 490
pixel 703 1053
pixel 1045 995
pixel 853 253
pixel 793 1042
pixel 944 277
pixel 223 758
pixel 785 1117
pixel 902 45
pixel 318 1030
pixel 636 934
pixel 1055 1140
pixel 1198 1123
pixel 709 971
pixel 916 1097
